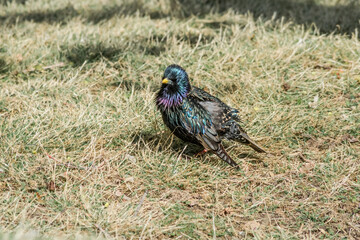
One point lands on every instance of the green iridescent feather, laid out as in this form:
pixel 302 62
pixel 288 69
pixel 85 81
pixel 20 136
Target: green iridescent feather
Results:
pixel 198 117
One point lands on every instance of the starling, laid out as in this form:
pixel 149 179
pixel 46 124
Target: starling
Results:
pixel 195 116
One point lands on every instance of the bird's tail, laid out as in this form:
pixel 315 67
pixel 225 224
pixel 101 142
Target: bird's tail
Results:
pixel 256 147
pixel 221 153
pixel 251 143
pixel 237 133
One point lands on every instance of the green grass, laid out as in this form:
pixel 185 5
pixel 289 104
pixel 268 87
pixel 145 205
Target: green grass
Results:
pixel 84 152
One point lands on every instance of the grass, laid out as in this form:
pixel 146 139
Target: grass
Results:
pixel 84 152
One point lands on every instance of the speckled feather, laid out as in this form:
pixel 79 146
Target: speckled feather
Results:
pixel 196 116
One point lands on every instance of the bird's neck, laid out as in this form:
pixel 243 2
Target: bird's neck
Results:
pixel 166 100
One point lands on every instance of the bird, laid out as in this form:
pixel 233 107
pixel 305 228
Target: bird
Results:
pixel 198 117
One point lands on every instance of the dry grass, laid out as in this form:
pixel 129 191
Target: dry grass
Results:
pixel 84 152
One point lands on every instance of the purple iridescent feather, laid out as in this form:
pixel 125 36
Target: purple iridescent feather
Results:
pixel 196 116
pixel 172 96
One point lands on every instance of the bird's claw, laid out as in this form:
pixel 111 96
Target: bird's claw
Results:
pixel 199 154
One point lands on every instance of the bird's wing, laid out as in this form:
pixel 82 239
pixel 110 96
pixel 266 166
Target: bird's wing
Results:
pixel 224 118
pixel 215 106
pixel 197 120
pixel 202 95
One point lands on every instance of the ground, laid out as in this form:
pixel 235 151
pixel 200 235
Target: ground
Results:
pixel 84 152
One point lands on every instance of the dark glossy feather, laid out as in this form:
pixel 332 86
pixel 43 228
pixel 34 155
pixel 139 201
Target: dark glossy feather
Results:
pixel 195 116
pixel 225 118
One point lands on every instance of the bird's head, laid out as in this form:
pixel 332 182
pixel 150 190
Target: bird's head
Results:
pixel 175 80
pixel 175 86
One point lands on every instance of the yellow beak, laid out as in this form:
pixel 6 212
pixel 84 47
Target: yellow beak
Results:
pixel 165 81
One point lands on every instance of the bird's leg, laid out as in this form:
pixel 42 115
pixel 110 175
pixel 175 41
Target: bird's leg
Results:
pixel 201 153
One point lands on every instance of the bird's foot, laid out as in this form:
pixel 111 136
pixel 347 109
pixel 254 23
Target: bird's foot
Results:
pixel 201 153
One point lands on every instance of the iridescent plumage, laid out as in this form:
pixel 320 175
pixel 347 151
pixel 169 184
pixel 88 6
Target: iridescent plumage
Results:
pixel 196 116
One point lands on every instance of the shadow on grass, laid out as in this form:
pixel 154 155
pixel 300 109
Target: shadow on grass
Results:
pixel 339 18
pixel 127 9
pixel 89 52
pixel 4 65
pixel 61 16
pixel 92 51
pixel 5 2
pixel 162 141
pixel 188 150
